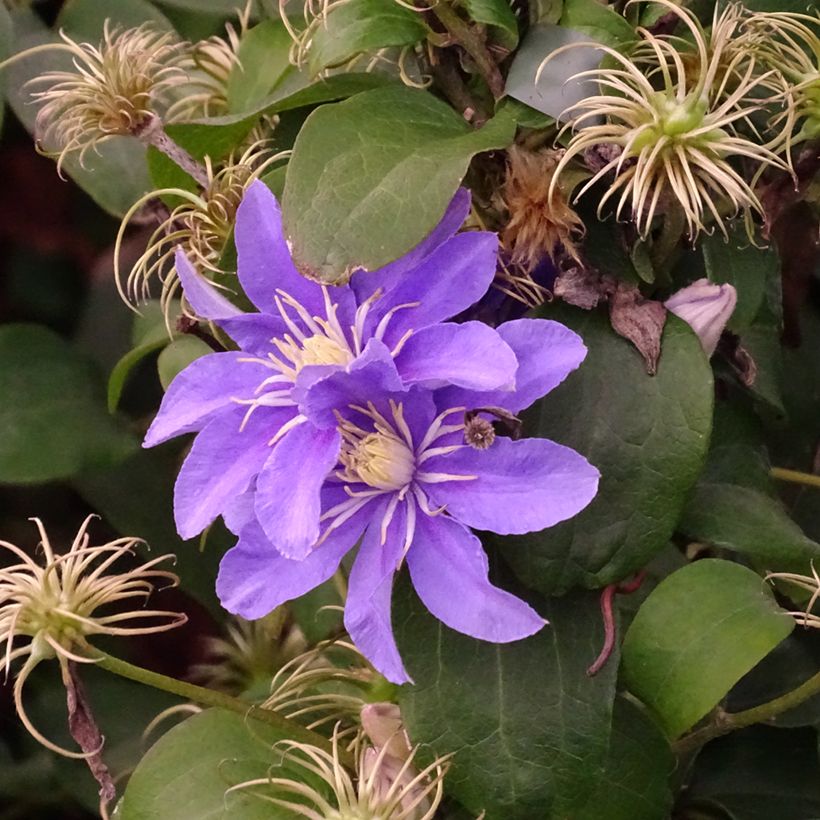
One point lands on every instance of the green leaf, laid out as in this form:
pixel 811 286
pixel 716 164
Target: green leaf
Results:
pixel 733 506
pixel 696 635
pixel 295 93
pixel 185 775
pixel 648 437
pixel 634 784
pixel 360 26
pixel 361 197
pixel 528 727
pixel 598 21
pixel 52 411
pixel 545 11
pixel 263 63
pixel 497 14
pixel 177 356
pixel 741 264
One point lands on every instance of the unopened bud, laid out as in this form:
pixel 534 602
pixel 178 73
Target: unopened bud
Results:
pixel 706 308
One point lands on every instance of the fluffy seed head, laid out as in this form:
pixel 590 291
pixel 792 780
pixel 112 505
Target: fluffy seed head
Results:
pixel 680 133
pixel 53 607
pixel 380 790
pixel 202 225
pixel 115 89
pixel 538 225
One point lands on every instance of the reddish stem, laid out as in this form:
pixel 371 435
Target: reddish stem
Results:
pixel 607 598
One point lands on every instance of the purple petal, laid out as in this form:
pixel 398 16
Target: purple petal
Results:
pixel 254 578
pixel 449 280
pixel 202 296
pixel 264 261
pixel 547 353
pixel 371 375
pixel 221 464
pixel 207 386
pixel 370 588
pixel 446 556
pixel 520 486
pixel 238 512
pixel 253 331
pixel 365 283
pixel 288 503
pixel 469 355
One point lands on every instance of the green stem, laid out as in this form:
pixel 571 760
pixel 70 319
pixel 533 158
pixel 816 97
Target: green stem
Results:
pixel 725 722
pixel 220 700
pixel 472 43
pixel 795 476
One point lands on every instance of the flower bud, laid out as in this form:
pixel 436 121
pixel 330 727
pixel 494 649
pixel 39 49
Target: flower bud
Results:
pixel 706 308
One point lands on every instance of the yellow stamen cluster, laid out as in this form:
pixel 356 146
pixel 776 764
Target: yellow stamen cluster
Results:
pixel 680 126
pixel 117 88
pixel 54 605
pixel 382 459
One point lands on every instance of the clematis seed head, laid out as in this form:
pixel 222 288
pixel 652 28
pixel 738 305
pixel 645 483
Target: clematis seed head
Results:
pixel 117 88
pixel 50 609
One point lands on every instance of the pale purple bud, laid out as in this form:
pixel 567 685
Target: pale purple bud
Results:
pixel 382 724
pixel 706 308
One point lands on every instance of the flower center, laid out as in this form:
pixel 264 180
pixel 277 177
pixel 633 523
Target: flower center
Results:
pixel 321 350
pixel 381 460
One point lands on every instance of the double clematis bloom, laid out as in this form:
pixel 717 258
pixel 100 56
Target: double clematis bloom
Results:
pixel 356 412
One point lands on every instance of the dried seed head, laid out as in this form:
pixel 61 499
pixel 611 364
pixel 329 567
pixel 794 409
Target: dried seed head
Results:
pixel 383 788
pixel 479 433
pixel 680 132
pixel 54 605
pixel 201 225
pixel 329 684
pixel 538 225
pixel 790 43
pixel 212 62
pixel 117 88
pixel 250 652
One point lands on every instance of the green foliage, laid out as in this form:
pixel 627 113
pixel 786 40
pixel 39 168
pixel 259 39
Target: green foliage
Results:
pixel 51 410
pixel 497 14
pixel 359 26
pixel 649 446
pixel 634 783
pixel 359 197
pixel 734 506
pixel 599 22
pixel 187 773
pixel 529 729
pixel 696 635
pixel 262 65
pixel 176 356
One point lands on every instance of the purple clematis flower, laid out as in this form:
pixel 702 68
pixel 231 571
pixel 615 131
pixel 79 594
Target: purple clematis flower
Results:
pixel 410 479
pixel 245 404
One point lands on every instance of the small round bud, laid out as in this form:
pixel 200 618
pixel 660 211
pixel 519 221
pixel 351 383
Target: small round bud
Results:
pixel 479 433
